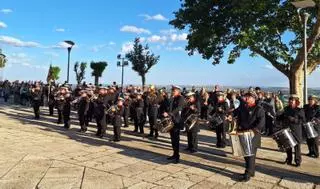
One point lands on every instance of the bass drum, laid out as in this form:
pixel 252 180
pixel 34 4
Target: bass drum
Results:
pixel 285 139
pixel 310 130
pixel 242 144
pixel 191 121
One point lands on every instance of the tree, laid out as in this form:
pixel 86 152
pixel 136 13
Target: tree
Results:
pixel 80 72
pixel 3 59
pixel 53 73
pixel 98 68
pixel 142 59
pixel 269 28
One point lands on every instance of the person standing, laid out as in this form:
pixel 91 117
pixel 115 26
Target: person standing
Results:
pixel 312 113
pixel 293 117
pixel 36 100
pixel 192 108
pixel 176 106
pixel 250 117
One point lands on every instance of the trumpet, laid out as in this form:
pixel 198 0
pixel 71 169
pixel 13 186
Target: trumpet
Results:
pixel 112 109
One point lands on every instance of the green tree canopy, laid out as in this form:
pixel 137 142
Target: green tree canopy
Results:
pixel 80 72
pixel 269 28
pixel 97 70
pixel 142 59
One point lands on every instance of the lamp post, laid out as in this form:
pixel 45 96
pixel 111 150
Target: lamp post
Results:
pixel 301 5
pixel 122 62
pixel 71 43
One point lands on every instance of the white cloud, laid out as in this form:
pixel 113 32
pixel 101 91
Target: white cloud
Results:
pixel 17 42
pixel 3 25
pixel 127 47
pixel 175 49
pixel 178 37
pixel 6 11
pixel 134 29
pixel 268 66
pixel 157 38
pixel 23 59
pixel 62 45
pixel 112 43
pixel 60 30
pixel 157 17
pixel 168 32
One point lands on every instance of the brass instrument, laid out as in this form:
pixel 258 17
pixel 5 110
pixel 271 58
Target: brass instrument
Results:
pixel 111 110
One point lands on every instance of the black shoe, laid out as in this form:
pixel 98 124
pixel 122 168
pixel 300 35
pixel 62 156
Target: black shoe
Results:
pixel 176 161
pixel 116 140
pixel 171 157
pixel 150 135
pixel 135 131
pixel 187 149
pixel 310 154
pixel 288 162
pixel 244 178
pixel 193 151
pixel 156 135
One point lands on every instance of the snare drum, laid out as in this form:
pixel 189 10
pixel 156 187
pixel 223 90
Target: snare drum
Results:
pixel 310 131
pixel 285 139
pixel 242 143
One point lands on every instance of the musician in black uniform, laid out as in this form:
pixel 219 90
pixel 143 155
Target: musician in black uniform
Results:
pixel 221 109
pixel 250 117
pixel 116 118
pixel 83 109
pixel 59 102
pixel 139 114
pixel 67 109
pixel 99 111
pixel 152 102
pixel 51 101
pixel 312 113
pixel 126 105
pixel 293 117
pixel 176 106
pixel 192 107
pixel 36 100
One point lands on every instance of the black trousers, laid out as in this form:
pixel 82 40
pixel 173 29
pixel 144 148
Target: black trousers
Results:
pixel 221 135
pixel 126 115
pixel 98 127
pixel 204 112
pixel 83 121
pixel 36 109
pixel 192 140
pixel 313 146
pixel 175 140
pixel 139 123
pixel 152 123
pixel 51 109
pixel 60 116
pixel 297 154
pixel 116 132
pixel 269 125
pixel 250 164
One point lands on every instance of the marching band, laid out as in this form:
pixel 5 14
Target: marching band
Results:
pixel 244 116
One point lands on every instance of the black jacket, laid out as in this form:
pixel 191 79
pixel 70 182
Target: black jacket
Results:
pixel 176 106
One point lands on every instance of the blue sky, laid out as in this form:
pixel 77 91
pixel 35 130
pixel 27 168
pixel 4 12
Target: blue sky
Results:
pixel 31 33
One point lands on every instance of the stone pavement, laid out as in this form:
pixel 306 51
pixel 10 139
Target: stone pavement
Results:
pixel 41 154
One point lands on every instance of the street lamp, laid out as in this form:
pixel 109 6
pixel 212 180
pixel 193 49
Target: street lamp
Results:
pixel 71 43
pixel 122 62
pixel 301 5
